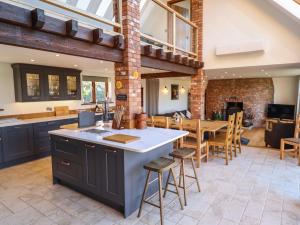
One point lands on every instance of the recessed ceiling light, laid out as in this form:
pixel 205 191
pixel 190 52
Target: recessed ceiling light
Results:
pixel 75 65
pixel 32 60
pixel 57 55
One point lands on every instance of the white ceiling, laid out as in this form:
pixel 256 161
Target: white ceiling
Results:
pixel 12 54
pixel 286 70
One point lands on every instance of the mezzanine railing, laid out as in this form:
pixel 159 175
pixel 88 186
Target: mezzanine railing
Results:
pixel 164 27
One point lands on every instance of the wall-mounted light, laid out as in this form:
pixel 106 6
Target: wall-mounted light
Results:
pixel 165 90
pixel 182 90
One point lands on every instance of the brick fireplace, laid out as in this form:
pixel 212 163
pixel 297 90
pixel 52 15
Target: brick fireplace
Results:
pixel 253 94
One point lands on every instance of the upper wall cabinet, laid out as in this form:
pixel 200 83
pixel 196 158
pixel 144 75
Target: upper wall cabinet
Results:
pixel 44 83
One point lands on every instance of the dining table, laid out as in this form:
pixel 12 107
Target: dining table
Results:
pixel 211 126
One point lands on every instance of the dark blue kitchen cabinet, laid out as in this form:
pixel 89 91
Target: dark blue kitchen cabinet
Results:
pixel 112 174
pixel 92 168
pixel 96 169
pixel 17 142
pixel 41 136
pixel 1 146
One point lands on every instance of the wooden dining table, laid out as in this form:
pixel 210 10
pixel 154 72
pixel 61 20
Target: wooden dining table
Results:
pixel 211 126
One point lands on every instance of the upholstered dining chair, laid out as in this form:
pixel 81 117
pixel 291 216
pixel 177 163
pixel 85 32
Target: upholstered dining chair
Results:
pixel 295 142
pixel 194 139
pixel 224 141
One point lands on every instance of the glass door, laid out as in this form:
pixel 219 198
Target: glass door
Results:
pixel 32 85
pixel 73 87
pixel 54 85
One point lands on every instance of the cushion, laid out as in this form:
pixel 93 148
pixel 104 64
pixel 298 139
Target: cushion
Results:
pixel 188 114
pixel 182 115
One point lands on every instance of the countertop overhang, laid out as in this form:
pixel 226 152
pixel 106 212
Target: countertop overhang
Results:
pixel 150 138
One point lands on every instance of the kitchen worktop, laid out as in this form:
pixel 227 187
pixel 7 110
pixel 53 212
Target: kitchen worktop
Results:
pixel 16 122
pixel 150 138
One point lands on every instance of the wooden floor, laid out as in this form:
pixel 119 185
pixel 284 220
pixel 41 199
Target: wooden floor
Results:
pixel 256 136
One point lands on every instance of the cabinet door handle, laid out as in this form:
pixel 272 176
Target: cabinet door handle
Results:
pixel 89 146
pixel 65 163
pixel 113 151
pixel 65 139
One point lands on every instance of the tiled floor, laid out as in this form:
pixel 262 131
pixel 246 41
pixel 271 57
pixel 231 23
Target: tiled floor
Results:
pixel 256 188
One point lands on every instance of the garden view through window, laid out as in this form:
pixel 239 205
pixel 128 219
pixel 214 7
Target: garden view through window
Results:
pixel 93 91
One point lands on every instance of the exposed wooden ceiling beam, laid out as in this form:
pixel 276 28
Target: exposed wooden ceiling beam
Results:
pixel 26 37
pixel 167 66
pixel 36 19
pixel 164 75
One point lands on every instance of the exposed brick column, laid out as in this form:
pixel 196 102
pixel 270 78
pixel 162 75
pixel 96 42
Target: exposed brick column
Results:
pixel 198 84
pixel 127 71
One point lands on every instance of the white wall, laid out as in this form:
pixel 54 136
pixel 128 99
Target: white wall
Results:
pixel 7 96
pixel 285 90
pixel 241 21
pixel 167 105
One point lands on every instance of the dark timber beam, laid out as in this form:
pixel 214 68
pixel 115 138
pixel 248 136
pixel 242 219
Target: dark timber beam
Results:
pixel 71 28
pixel 161 54
pixel 37 18
pixel 164 75
pixel 118 41
pixel 26 37
pixel 166 65
pixel 98 35
pixel 34 19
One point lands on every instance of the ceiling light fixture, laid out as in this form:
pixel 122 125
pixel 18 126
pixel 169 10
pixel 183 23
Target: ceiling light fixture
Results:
pixel 75 65
pixel 32 60
pixel 57 55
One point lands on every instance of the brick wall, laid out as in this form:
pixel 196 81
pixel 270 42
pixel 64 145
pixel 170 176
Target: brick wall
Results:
pixel 255 93
pixel 126 71
pixel 198 80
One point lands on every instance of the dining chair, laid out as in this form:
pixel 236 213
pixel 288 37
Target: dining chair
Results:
pixel 160 121
pixel 194 139
pixel 238 132
pixel 295 142
pixel 224 141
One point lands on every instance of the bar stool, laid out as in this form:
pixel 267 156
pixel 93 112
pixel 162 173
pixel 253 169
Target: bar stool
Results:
pixel 182 155
pixel 159 166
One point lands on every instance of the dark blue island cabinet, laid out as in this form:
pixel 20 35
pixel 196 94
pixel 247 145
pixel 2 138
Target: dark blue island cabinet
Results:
pixel 110 175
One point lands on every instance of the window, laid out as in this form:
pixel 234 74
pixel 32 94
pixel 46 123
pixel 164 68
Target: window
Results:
pixel 94 89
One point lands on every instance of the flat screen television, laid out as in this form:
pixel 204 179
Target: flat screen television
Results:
pixel 281 111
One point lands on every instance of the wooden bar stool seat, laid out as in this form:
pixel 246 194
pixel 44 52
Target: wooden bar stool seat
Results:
pixel 182 155
pixel 159 166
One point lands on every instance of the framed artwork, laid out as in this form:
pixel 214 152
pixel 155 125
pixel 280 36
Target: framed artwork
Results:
pixel 174 91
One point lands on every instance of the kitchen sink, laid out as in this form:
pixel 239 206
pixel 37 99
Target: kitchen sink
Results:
pixel 95 131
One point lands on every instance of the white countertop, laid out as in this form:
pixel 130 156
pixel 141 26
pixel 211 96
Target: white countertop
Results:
pixel 16 122
pixel 151 137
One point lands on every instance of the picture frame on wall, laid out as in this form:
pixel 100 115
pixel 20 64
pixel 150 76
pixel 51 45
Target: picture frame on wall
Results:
pixel 174 91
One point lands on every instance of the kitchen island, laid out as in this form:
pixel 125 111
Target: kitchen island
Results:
pixel 107 171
